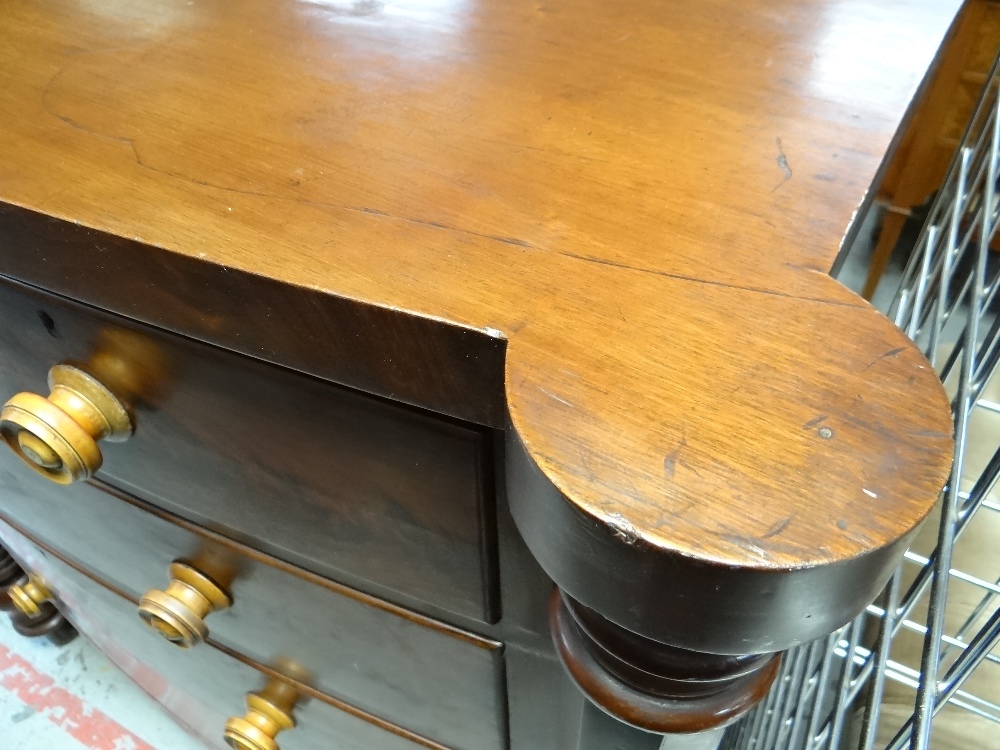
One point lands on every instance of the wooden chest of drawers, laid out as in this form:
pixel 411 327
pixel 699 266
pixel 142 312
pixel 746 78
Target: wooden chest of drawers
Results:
pixel 454 375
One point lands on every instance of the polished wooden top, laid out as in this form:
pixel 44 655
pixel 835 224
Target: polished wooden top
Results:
pixel 643 198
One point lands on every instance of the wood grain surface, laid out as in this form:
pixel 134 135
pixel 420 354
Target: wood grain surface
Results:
pixel 643 198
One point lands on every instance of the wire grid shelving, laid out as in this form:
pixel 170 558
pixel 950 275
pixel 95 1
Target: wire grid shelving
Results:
pixel 920 668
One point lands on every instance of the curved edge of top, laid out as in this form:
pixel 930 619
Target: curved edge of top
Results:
pixel 749 525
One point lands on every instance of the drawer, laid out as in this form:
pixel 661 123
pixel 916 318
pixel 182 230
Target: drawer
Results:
pixel 429 677
pixel 203 687
pixel 377 495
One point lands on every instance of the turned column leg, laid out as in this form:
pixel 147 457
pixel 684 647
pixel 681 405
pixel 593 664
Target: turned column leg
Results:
pixel 654 686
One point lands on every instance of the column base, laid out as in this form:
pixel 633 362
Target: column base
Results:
pixel 651 685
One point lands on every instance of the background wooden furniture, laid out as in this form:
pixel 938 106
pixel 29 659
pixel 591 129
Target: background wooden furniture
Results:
pixel 417 309
pixel 930 139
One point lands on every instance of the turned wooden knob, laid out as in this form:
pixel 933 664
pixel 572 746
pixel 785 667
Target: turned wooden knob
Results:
pixel 57 436
pixel 179 612
pixel 269 711
pixel 29 597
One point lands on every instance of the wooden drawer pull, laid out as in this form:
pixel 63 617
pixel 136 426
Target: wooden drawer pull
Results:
pixel 179 612
pixel 269 711
pixel 29 597
pixel 57 436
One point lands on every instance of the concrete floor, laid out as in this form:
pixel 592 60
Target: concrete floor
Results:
pixel 73 698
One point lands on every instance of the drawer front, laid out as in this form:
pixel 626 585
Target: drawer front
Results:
pixel 203 688
pixel 379 496
pixel 428 677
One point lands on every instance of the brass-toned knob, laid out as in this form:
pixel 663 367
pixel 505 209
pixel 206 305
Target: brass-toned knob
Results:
pixel 29 597
pixel 57 436
pixel 269 711
pixel 179 612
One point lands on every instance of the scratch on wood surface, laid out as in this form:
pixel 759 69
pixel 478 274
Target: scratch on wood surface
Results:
pixel 671 459
pixel 550 394
pixel 708 282
pixel 667 517
pixel 778 528
pixel 814 422
pixel 887 355
pixel 586 464
pixel 623 528
pixel 48 106
pixel 930 434
pixel 747 543
pixel 782 162
pixel 552 151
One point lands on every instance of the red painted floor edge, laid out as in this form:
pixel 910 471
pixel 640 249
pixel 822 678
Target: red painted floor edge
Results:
pixel 89 726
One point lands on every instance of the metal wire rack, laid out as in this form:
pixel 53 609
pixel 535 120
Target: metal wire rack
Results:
pixel 919 668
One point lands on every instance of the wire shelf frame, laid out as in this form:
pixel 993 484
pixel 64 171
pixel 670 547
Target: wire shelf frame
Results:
pixel 927 648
